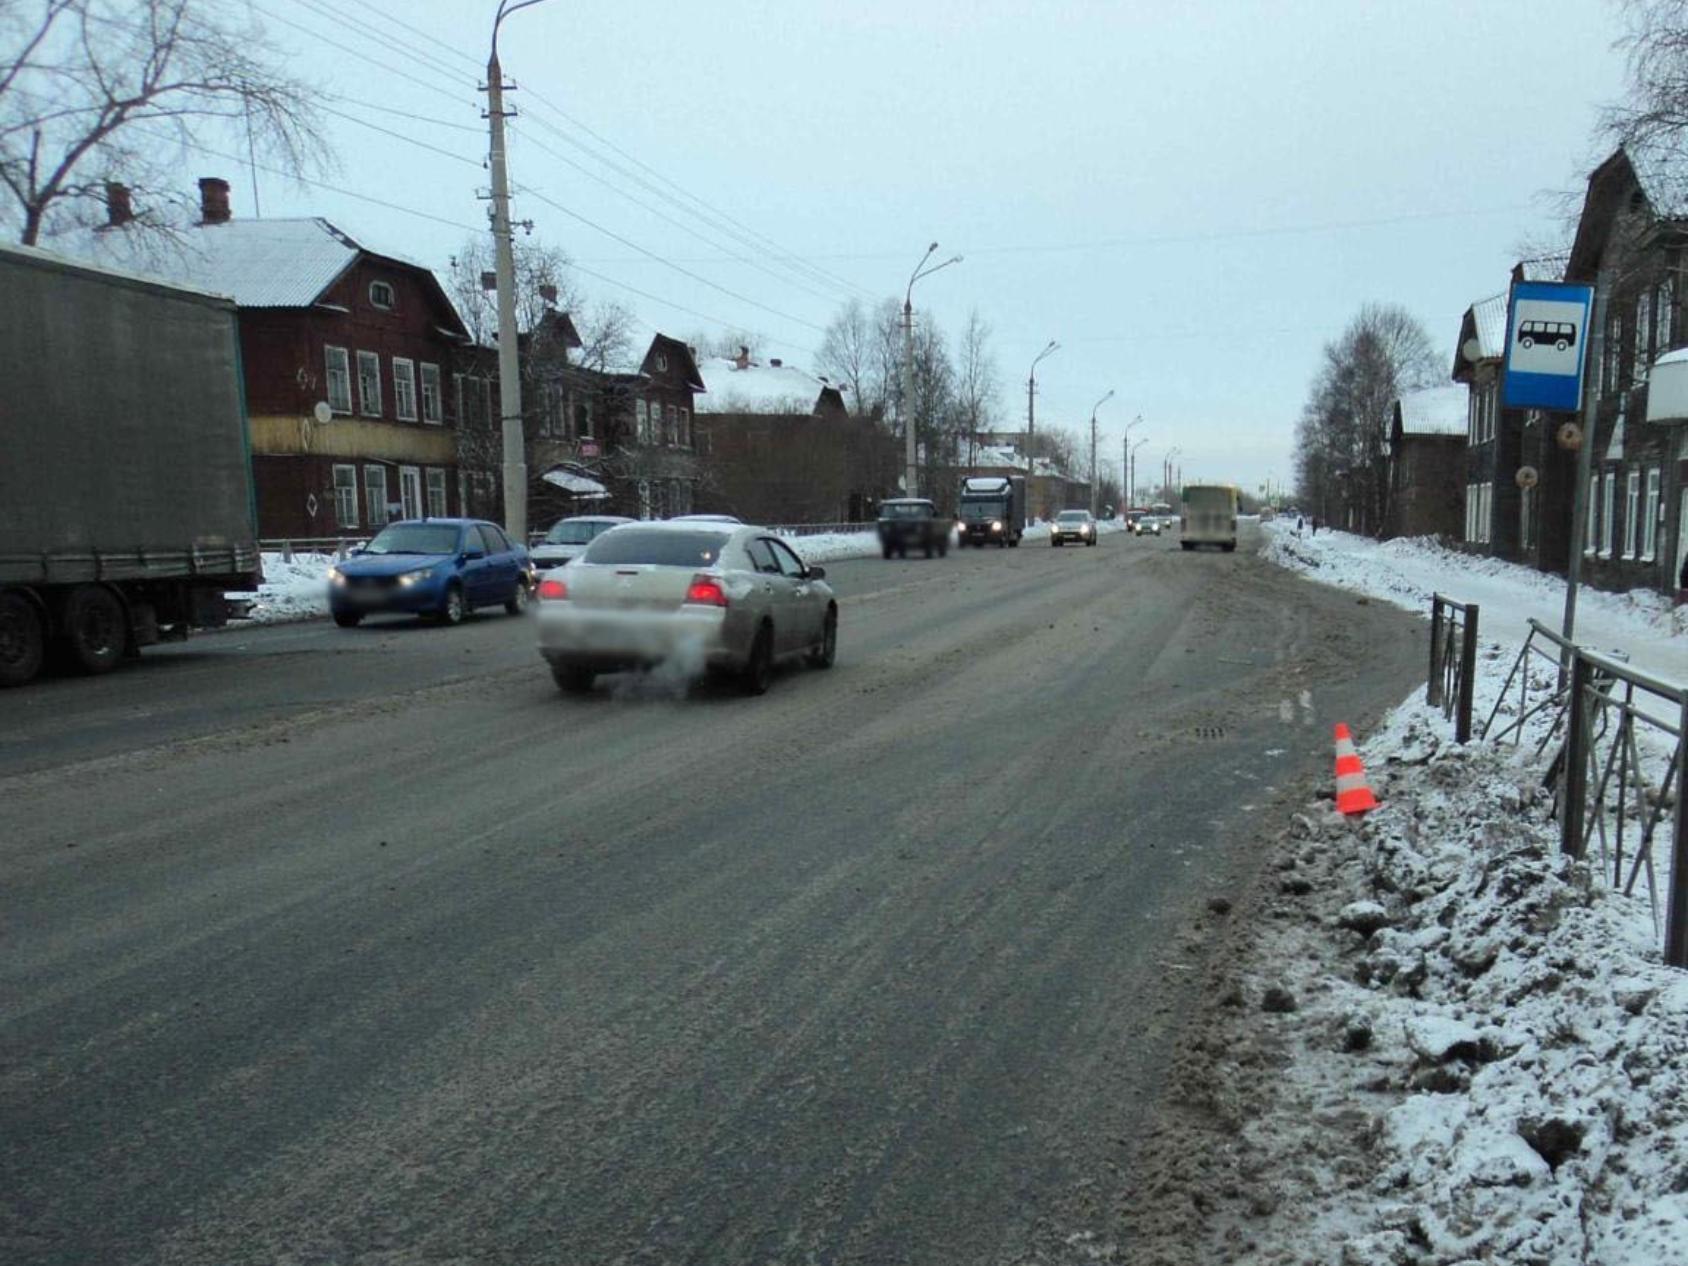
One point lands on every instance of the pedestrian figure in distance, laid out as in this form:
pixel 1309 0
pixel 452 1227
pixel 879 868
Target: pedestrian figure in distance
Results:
pixel 1315 525
pixel 1299 522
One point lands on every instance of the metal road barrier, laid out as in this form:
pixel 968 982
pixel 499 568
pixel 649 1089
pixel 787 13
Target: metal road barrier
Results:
pixel 339 546
pixel 1634 790
pixel 1453 661
pixel 1618 767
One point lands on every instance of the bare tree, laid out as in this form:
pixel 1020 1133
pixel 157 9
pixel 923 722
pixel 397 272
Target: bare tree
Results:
pixel 607 335
pixel 846 355
pixel 543 282
pixel 976 385
pixel 727 342
pixel 1654 113
pixel 93 91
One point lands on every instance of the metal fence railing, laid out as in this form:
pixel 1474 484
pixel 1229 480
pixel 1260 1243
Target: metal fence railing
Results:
pixel 1618 766
pixel 1453 661
pixel 1618 789
pixel 287 547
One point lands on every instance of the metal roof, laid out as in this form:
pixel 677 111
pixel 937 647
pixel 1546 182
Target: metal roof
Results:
pixel 258 263
pixel 1489 316
pixel 757 388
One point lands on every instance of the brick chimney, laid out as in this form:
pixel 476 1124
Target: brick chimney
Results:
pixel 742 360
pixel 775 361
pixel 119 209
pixel 213 200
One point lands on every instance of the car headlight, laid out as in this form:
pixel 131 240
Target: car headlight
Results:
pixel 996 525
pixel 415 577
pixel 336 576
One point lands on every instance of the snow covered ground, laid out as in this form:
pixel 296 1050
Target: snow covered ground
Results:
pixel 1439 1041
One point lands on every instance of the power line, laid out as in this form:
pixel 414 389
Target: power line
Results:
pixel 684 228
pixel 652 255
pixel 391 43
pixel 400 136
pixel 411 115
pixel 346 48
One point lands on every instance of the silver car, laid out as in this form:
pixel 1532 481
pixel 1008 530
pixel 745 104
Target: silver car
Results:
pixel 693 596
pixel 568 537
pixel 1073 525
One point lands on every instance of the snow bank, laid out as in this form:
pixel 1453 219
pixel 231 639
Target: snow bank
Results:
pixel 296 590
pixel 1406 571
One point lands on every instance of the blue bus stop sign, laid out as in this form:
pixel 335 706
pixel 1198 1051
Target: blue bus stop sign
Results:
pixel 1546 332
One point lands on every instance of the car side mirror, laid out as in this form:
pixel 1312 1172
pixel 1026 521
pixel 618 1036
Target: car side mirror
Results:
pixel 815 573
pixel 470 555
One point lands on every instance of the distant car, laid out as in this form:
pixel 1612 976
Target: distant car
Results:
pixel 1073 525
pixel 697 595
pixel 1147 525
pixel 907 523
pixel 443 568
pixel 568 537
pixel 705 518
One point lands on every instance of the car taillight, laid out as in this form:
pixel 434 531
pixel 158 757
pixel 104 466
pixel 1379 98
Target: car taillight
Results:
pixel 706 591
pixel 552 590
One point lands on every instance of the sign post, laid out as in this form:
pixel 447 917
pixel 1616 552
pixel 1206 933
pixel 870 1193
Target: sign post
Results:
pixel 1550 326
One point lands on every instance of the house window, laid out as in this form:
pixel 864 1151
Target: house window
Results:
pixel 1632 513
pixel 369 384
pixel 670 423
pixel 1643 335
pixel 404 389
pixel 410 492
pixel 1591 538
pixel 1607 505
pixel 1664 315
pixel 436 493
pixel 381 295
pixel 346 496
pixel 661 363
pixel 1486 513
pixel 685 427
pixel 1527 518
pixel 1609 353
pixel 642 421
pixel 583 419
pixel 375 494
pixel 339 380
pixel 432 405
pixel 1650 517
pixel 1471 514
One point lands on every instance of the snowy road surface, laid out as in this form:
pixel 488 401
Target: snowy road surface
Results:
pixel 367 946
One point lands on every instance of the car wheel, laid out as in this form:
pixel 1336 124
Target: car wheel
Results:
pixel 1091 541
pixel 1186 545
pixel 759 668
pixel 930 549
pixel 23 642
pixel 886 551
pixel 453 610
pixel 348 619
pixel 1230 547
pixel 823 655
pixel 519 600
pixel 943 550
pixel 95 628
pixel 573 680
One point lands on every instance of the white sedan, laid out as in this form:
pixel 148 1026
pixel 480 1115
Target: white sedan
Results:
pixel 693 595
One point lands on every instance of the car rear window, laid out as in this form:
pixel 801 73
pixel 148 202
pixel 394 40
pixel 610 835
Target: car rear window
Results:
pixel 1074 516
pixel 661 548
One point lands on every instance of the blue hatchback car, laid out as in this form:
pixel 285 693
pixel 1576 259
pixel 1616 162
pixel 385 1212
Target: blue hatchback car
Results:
pixel 443 568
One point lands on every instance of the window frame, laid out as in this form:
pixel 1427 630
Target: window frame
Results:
pixel 376 510
pixel 1608 504
pixel 404 389
pixel 329 352
pixel 365 361
pixel 432 477
pixel 438 418
pixel 782 551
pixel 1632 512
pixel 392 296
pixel 341 518
pixel 1591 529
pixel 1652 502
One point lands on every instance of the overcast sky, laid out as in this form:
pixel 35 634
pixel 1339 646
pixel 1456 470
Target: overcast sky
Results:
pixel 1191 198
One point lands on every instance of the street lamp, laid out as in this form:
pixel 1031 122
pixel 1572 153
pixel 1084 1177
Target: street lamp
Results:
pixel 1094 503
pixel 909 452
pixel 509 371
pixel 1133 462
pixel 1031 423
pixel 1166 468
pixel 1129 492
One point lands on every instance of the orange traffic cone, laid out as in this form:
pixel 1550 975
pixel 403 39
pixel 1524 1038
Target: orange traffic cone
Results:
pixel 1352 794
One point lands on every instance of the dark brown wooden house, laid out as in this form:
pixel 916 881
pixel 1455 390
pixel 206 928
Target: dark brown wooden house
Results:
pixel 1428 492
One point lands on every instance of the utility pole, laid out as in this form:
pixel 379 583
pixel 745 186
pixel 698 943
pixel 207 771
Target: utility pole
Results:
pixel 1580 499
pixel 1095 504
pixel 509 368
pixel 1031 427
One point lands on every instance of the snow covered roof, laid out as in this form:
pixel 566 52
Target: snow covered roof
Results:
pixel 998 455
pixel 758 388
pixel 1490 317
pixel 258 263
pixel 1434 411
pixel 1543 268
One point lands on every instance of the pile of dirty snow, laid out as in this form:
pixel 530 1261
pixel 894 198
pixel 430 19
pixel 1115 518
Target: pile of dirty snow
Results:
pixel 1438 1042
pixel 293 589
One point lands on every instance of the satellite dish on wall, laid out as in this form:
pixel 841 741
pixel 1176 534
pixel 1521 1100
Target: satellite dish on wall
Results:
pixel 1569 437
pixel 1472 350
pixel 322 413
pixel 1527 477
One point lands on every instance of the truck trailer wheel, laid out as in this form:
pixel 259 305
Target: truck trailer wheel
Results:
pixel 23 641
pixel 96 629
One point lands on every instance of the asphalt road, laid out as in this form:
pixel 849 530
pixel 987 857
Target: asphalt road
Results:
pixel 367 946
